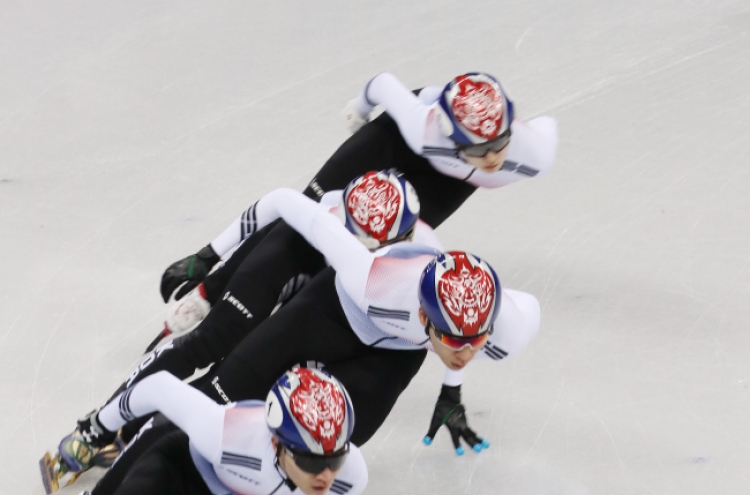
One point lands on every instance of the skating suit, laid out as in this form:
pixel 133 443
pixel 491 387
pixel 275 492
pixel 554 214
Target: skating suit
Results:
pixel 255 218
pixel 379 291
pixel 530 154
pixel 230 445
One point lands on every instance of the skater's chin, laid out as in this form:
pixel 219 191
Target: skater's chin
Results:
pixel 320 490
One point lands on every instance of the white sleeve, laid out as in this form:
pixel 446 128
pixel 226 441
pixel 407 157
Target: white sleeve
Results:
pixel 332 198
pixel 531 153
pixel 424 234
pixel 227 239
pixel 430 94
pixel 453 378
pixel 251 220
pixel 197 415
pixel 325 232
pixel 517 323
pixel 409 112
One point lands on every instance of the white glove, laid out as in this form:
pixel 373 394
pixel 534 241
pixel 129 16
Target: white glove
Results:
pixel 186 313
pixel 353 117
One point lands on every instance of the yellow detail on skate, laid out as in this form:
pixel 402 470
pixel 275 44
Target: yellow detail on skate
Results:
pixel 55 473
pixel 49 478
pixel 106 456
pixel 79 450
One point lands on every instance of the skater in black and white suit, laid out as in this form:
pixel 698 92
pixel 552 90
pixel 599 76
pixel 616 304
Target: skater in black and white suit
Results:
pixel 446 141
pixel 412 137
pixel 444 168
pixel 297 439
pixel 359 315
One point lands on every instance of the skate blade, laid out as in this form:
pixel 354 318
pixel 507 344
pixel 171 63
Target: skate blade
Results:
pixel 49 473
pixel 53 477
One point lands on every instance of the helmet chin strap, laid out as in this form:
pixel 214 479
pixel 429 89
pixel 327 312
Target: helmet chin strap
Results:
pixel 287 481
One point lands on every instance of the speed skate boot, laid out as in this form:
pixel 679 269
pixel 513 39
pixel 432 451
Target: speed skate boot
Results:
pixel 90 445
pixel 183 315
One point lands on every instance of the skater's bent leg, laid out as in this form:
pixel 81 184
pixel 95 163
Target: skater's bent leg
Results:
pixel 216 281
pixel 379 145
pixel 311 327
pixel 370 148
pixel 374 382
pixel 149 435
pixel 249 299
pixel 165 469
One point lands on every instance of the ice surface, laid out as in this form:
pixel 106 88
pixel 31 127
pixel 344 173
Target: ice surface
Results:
pixel 132 132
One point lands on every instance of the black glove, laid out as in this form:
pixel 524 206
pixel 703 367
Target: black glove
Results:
pixel 93 432
pixel 192 269
pixel 450 412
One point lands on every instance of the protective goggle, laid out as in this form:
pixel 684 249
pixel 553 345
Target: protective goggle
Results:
pixel 495 145
pixel 373 244
pixel 457 343
pixel 316 464
pixel 403 237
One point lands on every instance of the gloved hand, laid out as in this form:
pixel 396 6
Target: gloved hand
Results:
pixel 192 270
pixel 450 412
pixel 352 116
pixel 95 434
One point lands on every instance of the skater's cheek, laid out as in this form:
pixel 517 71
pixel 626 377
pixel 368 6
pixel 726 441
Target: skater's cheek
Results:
pixel 490 163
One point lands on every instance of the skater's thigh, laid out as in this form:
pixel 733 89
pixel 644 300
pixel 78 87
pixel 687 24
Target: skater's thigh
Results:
pixel 150 434
pixel 371 148
pixel 216 282
pixel 311 327
pixel 251 295
pixel 283 249
pixel 166 468
pixel 374 382
pixel 439 195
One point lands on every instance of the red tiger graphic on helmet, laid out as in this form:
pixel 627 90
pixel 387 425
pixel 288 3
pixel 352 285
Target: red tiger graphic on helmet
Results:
pixel 467 292
pixel 478 106
pixel 319 407
pixel 374 204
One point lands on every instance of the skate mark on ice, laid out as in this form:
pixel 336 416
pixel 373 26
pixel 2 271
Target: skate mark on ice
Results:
pixel 520 40
pixel 523 461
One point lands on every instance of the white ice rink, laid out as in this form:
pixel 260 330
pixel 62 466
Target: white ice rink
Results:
pixel 131 133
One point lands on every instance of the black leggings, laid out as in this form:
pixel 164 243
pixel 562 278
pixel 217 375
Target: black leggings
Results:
pixel 166 468
pixel 377 146
pixel 380 146
pixel 247 300
pixel 279 255
pixel 312 328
